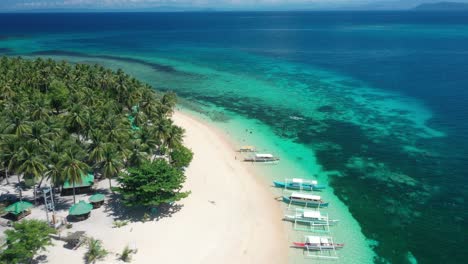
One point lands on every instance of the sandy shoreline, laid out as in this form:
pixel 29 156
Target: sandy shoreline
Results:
pixel 230 216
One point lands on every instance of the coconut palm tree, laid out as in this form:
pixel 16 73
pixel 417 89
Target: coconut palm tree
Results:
pixel 168 102
pixel 112 163
pixel 8 148
pixel 137 155
pixel 30 163
pixel 72 168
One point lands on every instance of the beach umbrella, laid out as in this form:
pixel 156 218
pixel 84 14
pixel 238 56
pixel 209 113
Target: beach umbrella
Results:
pixel 80 208
pixel 19 207
pixel 96 198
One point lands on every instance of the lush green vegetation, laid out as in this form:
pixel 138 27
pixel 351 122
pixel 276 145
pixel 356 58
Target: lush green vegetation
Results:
pixel 181 157
pixel 25 240
pixel 126 255
pixel 58 121
pixel 95 251
pixel 151 184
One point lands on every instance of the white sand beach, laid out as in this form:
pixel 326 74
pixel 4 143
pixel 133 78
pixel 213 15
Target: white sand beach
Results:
pixel 229 217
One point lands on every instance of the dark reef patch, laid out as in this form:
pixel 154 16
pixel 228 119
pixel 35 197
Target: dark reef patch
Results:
pixel 154 66
pixel 5 50
pixel 326 109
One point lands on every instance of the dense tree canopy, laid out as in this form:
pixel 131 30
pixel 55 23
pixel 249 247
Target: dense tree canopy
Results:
pixel 58 120
pixel 151 184
pixel 25 240
pixel 181 157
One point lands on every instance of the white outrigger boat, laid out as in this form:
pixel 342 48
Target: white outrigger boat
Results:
pixel 262 158
pixel 319 247
pixel 310 220
pixel 306 200
pixel 299 184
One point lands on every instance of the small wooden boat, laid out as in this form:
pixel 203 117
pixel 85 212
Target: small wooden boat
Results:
pixel 310 217
pixel 320 243
pixel 262 158
pixel 306 200
pixel 247 149
pixel 299 184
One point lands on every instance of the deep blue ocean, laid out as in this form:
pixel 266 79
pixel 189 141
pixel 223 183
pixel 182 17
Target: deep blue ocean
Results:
pixel 382 98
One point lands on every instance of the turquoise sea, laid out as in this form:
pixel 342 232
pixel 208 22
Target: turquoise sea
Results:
pixel 373 104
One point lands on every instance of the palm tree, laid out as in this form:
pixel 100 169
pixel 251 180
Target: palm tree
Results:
pixel 111 164
pixel 95 251
pixel 76 120
pixel 137 156
pixel 168 102
pixel 8 147
pixel 17 123
pixel 72 168
pixel 26 160
pixel 174 137
pixel 53 171
pixel 96 152
pixel 39 136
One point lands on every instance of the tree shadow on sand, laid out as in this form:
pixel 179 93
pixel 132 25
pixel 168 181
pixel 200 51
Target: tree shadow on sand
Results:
pixel 119 212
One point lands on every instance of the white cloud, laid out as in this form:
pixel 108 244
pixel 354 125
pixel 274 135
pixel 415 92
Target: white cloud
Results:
pixel 21 4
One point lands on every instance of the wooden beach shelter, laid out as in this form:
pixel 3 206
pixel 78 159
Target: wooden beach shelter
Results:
pixel 83 186
pixel 19 209
pixel 80 210
pixel 97 200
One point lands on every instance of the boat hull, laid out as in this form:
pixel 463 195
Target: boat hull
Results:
pixel 303 203
pixel 317 247
pixel 303 220
pixel 275 160
pixel 292 186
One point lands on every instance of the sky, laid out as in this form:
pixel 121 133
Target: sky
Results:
pixel 129 5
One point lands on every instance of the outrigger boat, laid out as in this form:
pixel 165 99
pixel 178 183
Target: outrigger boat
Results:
pixel 299 184
pixel 306 200
pixel 247 149
pixel 262 158
pixel 318 243
pixel 310 217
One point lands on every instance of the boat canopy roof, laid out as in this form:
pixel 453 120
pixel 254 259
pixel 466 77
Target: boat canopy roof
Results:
pixel 313 239
pixel 305 196
pixel 312 214
pixel 317 239
pixel 264 155
pixel 299 180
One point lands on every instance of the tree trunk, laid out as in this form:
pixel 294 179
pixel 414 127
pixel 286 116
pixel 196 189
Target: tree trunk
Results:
pixel 74 201
pixel 6 176
pixel 110 185
pixel 40 182
pixel 19 179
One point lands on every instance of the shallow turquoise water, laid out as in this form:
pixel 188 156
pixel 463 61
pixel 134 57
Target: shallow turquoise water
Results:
pixel 372 104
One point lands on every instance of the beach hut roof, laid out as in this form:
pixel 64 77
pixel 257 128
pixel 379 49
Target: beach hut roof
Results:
pixel 312 214
pixel 86 181
pixel 98 197
pixel 80 208
pixel 305 196
pixel 19 207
